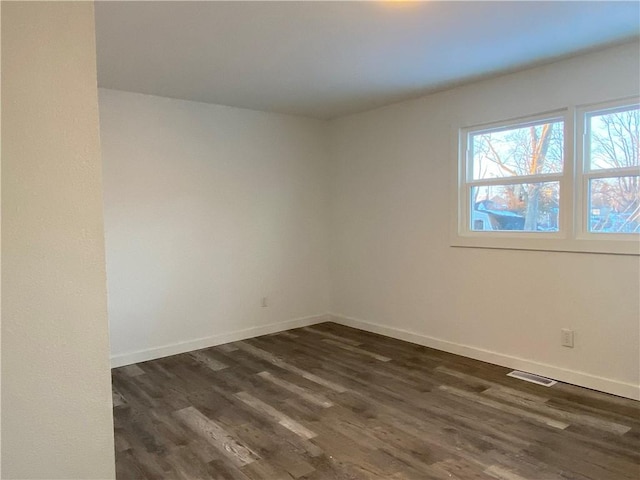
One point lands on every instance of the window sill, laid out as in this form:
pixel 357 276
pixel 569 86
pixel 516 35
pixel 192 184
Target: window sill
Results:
pixel 510 242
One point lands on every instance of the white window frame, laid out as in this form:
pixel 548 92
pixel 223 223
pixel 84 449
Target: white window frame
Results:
pixel 573 234
pixel 585 173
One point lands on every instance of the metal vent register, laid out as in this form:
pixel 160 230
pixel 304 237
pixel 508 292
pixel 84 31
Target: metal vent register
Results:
pixel 530 377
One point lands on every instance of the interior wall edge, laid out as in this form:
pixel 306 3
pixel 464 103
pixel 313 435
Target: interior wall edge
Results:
pixel 123 359
pixel 607 385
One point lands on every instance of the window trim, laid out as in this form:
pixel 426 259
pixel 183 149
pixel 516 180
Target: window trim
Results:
pixel 573 210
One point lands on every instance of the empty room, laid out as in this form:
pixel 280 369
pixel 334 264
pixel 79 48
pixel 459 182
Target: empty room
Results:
pixel 320 240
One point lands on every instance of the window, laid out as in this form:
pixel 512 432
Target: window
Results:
pixel 611 170
pixel 522 184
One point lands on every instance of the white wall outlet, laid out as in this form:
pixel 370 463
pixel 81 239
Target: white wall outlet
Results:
pixel 567 337
pixel 264 302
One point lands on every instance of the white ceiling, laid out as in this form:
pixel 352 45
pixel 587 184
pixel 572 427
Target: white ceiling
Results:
pixel 328 59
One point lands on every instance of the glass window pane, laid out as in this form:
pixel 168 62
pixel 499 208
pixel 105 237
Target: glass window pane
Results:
pixel 529 207
pixel 613 139
pixel 614 205
pixel 530 150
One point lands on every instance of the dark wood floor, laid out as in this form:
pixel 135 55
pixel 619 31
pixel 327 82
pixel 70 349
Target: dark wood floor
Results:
pixel 330 402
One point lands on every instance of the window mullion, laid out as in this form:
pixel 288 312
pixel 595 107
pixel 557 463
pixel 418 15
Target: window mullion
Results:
pixel 613 172
pixel 580 195
pixel 516 180
pixel 568 207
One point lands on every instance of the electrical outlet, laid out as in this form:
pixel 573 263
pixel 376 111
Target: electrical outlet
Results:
pixel 567 337
pixel 264 302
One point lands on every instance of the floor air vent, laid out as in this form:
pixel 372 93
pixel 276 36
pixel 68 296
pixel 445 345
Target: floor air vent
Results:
pixel 530 377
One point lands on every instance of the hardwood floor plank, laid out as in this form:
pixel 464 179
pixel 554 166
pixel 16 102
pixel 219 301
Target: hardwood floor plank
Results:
pixel 293 465
pixel 217 436
pixel 263 470
pixel 127 467
pixel 302 392
pixel 348 341
pixel 457 469
pixel 132 370
pixel 505 408
pixel 117 398
pixel 332 402
pixel 361 351
pixel 572 418
pixel 207 361
pixel 286 366
pixel 280 417
pixel 227 347
pixel 288 334
pixel 500 473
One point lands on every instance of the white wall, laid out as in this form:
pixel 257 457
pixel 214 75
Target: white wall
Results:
pixel 210 208
pixel 394 271
pixel 56 386
pixel 207 210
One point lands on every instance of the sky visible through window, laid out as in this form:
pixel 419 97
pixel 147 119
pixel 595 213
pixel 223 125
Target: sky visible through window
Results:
pixel 531 150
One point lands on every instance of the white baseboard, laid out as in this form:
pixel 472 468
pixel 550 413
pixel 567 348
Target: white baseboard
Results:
pixel 622 389
pixel 123 359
